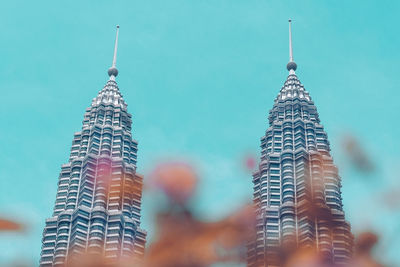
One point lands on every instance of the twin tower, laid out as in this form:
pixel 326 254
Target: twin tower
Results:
pixel 296 188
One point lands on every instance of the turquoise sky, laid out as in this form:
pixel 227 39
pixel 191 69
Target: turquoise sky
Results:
pixel 199 77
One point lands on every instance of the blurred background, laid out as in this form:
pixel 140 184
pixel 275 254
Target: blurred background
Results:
pixel 199 78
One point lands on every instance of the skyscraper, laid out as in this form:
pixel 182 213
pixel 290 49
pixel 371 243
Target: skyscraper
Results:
pixel 97 208
pixel 297 187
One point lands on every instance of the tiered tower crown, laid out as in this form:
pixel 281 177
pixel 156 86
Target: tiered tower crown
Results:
pixel 110 94
pixel 293 88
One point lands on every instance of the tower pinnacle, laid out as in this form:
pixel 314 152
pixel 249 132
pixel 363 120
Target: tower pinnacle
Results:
pixel 291 66
pixel 113 72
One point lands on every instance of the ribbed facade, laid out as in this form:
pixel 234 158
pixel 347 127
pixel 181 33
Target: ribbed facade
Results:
pixel 297 187
pixel 97 208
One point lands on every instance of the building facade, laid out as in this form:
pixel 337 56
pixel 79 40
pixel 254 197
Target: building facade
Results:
pixel 97 207
pixel 297 189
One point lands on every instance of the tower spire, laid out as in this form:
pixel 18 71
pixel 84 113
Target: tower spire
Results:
pixel 113 72
pixel 290 41
pixel 291 66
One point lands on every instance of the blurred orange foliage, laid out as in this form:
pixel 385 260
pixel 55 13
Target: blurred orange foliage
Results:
pixel 8 225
